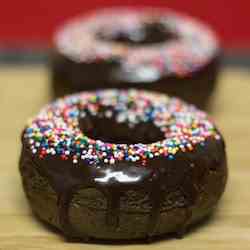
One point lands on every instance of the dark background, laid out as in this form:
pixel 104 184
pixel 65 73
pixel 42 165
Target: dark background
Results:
pixel 31 22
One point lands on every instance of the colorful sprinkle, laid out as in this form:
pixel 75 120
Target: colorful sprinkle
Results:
pixel 195 46
pixel 56 131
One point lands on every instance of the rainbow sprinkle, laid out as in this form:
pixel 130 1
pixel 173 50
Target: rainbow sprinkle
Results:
pixel 195 47
pixel 55 131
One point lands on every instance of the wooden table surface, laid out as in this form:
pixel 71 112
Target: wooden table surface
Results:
pixel 25 89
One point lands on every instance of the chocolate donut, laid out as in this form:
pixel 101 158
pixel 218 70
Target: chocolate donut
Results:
pixel 122 165
pixel 153 49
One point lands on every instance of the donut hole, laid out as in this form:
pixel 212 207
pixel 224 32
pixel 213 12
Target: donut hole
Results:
pixel 112 131
pixel 145 34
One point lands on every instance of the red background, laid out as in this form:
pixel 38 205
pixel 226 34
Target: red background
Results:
pixel 29 22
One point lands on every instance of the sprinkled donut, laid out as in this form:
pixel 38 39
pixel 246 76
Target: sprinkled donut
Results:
pixel 154 49
pixel 130 164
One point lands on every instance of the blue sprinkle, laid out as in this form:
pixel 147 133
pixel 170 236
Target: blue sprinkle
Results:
pixel 170 157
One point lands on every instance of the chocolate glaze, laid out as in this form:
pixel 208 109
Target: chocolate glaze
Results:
pixel 125 200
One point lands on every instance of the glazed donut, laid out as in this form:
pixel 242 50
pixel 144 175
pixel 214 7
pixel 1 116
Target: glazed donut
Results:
pixel 122 165
pixel 153 49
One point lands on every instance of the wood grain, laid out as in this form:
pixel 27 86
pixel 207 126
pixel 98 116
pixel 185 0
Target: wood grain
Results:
pixel 24 90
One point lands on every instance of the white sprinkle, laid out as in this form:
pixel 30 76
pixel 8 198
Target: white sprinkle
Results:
pixel 108 113
pixel 112 161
